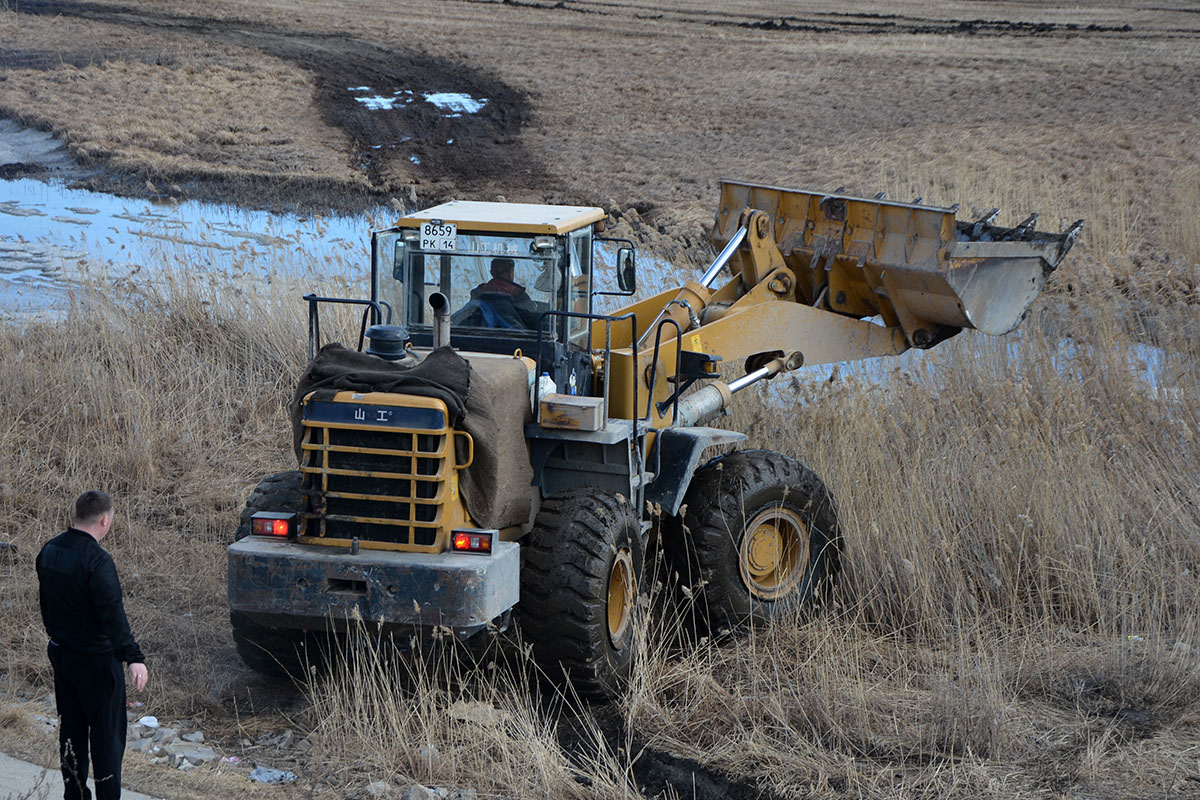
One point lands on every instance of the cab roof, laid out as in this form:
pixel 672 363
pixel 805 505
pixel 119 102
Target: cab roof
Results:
pixel 511 217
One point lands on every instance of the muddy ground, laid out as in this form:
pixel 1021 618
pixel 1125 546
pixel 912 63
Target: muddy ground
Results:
pixel 630 105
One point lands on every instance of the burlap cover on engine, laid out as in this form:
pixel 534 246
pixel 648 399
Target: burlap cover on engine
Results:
pixel 489 399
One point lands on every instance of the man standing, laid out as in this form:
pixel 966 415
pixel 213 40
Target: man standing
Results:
pixel 89 638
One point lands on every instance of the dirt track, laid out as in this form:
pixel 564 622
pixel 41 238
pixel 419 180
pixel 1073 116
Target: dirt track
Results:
pixel 636 105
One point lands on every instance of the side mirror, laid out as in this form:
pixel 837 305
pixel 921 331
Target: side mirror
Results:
pixel 387 254
pixel 398 261
pixel 626 270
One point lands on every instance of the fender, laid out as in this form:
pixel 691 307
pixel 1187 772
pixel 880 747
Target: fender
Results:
pixel 677 452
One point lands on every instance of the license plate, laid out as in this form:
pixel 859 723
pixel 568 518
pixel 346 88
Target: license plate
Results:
pixel 437 235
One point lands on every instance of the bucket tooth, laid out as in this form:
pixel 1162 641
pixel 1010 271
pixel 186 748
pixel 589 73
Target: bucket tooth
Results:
pixel 983 222
pixel 1026 226
pixel 1068 239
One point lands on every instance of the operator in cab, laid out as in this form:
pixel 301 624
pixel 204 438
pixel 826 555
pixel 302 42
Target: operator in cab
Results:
pixel 500 302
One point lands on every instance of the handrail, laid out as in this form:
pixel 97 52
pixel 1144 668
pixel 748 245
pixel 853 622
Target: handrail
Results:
pixel 608 323
pixel 374 308
pixel 654 369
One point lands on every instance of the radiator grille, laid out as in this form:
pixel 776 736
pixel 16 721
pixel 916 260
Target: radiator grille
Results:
pixel 378 473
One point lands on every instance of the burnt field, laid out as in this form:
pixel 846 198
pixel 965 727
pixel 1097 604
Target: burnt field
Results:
pixel 1018 614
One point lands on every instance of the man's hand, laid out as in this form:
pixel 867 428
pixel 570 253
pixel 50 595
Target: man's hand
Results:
pixel 139 675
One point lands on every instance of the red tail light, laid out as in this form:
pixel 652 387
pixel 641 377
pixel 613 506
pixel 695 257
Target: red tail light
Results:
pixel 273 523
pixel 472 541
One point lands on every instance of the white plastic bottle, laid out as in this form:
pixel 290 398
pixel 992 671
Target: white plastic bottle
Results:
pixel 545 386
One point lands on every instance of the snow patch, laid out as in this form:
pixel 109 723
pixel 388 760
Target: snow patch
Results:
pixel 456 102
pixel 378 102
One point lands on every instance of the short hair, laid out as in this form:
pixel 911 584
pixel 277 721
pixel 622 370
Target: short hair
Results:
pixel 502 265
pixel 92 505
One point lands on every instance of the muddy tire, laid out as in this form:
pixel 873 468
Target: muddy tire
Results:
pixel 279 491
pixel 582 566
pixel 759 539
pixel 278 652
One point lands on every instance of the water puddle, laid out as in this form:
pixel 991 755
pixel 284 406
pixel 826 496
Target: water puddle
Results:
pixel 455 104
pixel 51 235
pixel 380 102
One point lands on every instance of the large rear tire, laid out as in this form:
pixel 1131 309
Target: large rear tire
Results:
pixel 279 491
pixel 278 652
pixel 760 539
pixel 580 578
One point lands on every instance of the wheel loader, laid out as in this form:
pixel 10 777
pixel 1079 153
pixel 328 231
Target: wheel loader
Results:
pixel 496 450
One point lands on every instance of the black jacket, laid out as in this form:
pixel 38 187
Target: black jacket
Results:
pixel 81 598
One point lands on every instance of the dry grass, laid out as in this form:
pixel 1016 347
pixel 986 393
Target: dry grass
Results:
pixel 1023 553
pixel 1023 550
pixel 12 717
pixel 1020 514
pixel 164 114
pixel 440 718
pixel 168 138
pixel 171 395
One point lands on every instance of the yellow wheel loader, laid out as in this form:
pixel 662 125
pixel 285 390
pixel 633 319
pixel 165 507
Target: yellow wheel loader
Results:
pixel 501 448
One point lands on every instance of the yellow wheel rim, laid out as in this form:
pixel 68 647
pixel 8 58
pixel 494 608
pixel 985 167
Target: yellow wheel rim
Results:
pixel 773 554
pixel 621 591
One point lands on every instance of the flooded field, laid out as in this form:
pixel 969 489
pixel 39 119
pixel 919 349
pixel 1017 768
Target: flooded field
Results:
pixel 52 236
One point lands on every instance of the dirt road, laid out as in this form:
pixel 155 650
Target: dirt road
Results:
pixel 24 781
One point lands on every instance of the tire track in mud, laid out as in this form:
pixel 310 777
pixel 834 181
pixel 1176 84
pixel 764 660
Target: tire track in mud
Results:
pixel 658 774
pixel 843 22
pixel 412 142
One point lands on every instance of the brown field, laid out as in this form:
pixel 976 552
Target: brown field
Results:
pixel 1022 515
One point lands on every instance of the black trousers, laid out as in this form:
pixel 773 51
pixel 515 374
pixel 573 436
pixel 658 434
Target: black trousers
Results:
pixel 90 691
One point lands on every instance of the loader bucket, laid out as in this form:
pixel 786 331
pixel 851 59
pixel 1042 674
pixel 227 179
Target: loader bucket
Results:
pixel 914 265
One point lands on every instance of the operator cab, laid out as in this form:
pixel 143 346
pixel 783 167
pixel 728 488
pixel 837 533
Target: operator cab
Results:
pixel 501 266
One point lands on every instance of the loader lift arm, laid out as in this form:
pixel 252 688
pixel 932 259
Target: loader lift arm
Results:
pixel 822 278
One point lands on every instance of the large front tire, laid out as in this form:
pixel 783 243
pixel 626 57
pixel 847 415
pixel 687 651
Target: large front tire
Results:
pixel 580 580
pixel 760 539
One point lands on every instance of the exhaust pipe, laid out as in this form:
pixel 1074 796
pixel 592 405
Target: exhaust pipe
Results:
pixel 441 319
